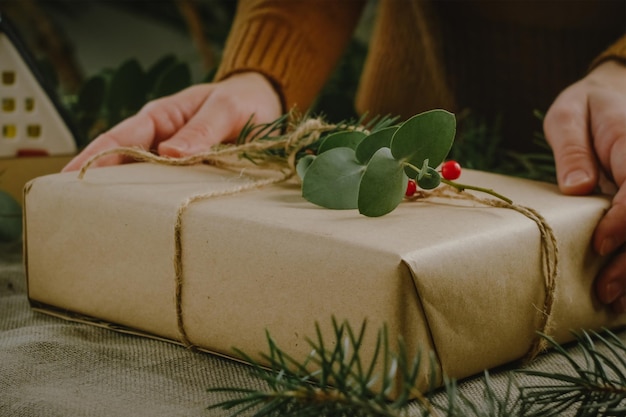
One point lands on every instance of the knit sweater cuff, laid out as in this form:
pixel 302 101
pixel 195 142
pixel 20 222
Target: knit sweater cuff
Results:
pixel 616 52
pixel 270 46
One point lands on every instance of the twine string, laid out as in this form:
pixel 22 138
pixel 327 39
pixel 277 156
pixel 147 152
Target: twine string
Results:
pixel 178 243
pixel 303 135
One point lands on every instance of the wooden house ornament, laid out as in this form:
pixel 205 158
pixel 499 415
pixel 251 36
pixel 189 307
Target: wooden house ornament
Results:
pixel 32 121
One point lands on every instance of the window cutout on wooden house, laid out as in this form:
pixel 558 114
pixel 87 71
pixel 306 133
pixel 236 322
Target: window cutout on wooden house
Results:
pixel 8 104
pixel 8 77
pixel 30 110
pixel 29 104
pixel 9 131
pixel 33 131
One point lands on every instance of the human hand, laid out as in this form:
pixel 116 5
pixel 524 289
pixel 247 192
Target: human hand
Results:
pixel 190 121
pixel 586 127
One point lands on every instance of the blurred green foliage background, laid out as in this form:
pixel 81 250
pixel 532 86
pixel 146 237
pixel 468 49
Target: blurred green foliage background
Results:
pixel 107 58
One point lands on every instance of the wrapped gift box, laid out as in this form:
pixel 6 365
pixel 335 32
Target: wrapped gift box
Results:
pixel 449 275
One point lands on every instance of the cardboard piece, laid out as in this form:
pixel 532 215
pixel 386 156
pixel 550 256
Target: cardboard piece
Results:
pixel 16 172
pixel 450 276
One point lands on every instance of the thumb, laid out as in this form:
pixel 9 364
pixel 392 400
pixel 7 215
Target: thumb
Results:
pixel 567 131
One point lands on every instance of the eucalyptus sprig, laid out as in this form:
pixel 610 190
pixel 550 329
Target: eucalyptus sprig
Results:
pixel 354 169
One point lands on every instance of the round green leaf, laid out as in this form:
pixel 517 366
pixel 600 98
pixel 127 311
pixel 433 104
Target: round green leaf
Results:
pixel 428 135
pixel 349 139
pixel 303 165
pixel 383 184
pixel 332 179
pixel 156 70
pixel 91 95
pixel 373 142
pixel 429 180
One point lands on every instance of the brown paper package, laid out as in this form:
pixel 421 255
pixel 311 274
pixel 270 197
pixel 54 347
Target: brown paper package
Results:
pixel 450 276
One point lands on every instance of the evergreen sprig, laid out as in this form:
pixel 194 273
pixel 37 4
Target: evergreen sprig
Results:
pixel 595 387
pixel 275 130
pixel 457 404
pixel 334 380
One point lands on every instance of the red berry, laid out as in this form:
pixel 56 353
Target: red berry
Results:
pixel 411 188
pixel 451 170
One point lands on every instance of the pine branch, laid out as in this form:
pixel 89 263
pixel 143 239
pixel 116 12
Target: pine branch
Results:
pixel 596 387
pixel 335 381
pixel 492 404
pixel 479 145
pixel 270 131
pixel 303 389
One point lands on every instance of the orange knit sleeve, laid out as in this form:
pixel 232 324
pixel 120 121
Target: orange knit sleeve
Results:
pixel 295 44
pixel 616 51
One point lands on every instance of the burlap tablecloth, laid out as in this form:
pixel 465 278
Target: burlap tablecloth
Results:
pixel 51 367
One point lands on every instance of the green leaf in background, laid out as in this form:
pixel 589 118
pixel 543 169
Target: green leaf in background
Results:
pixel 349 139
pixel 10 218
pixel 92 94
pixel 425 135
pixel 88 108
pixel 174 79
pixel 156 70
pixel 383 184
pixel 373 142
pixel 332 179
pixel 127 91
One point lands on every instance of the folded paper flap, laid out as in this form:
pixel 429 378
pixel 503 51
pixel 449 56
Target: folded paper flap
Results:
pixel 480 313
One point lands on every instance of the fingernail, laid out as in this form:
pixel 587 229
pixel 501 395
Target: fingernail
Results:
pixel 576 178
pixel 608 245
pixel 615 291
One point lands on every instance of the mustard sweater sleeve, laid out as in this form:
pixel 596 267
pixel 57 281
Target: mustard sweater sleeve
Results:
pixel 295 44
pixel 616 51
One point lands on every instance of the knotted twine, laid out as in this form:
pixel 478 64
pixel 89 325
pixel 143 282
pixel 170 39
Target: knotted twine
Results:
pixel 304 134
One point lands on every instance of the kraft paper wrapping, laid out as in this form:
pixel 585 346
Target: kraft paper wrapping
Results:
pixel 448 275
